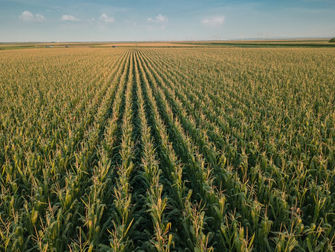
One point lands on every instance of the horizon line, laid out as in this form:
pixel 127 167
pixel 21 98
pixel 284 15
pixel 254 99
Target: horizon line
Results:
pixel 158 41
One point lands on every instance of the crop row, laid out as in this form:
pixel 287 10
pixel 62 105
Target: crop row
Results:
pixel 167 149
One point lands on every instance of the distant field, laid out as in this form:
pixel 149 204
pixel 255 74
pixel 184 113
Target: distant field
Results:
pixel 269 43
pixel 11 46
pixel 139 148
pixel 247 44
pixel 149 44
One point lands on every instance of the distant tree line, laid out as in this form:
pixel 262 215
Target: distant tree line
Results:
pixel 332 40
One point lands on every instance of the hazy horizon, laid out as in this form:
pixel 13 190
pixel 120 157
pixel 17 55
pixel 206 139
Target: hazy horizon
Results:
pixel 162 41
pixel 149 20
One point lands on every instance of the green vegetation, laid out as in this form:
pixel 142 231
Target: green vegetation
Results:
pixel 266 44
pixel 332 40
pixel 167 149
pixel 13 47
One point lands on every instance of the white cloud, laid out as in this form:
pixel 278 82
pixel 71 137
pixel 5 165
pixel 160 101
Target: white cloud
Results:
pixel 27 16
pixel 161 19
pixel 213 21
pixel 107 19
pixel 158 19
pixel 69 18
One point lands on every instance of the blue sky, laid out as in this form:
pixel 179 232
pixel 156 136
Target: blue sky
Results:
pixel 147 20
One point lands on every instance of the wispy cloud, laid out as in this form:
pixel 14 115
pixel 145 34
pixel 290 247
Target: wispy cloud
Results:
pixel 213 21
pixel 27 16
pixel 69 18
pixel 158 19
pixel 106 19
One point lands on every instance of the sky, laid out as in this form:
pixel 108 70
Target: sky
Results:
pixel 164 20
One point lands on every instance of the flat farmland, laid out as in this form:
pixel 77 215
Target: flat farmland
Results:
pixel 167 149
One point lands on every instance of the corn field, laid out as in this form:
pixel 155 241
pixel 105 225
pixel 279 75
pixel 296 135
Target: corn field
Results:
pixel 167 149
